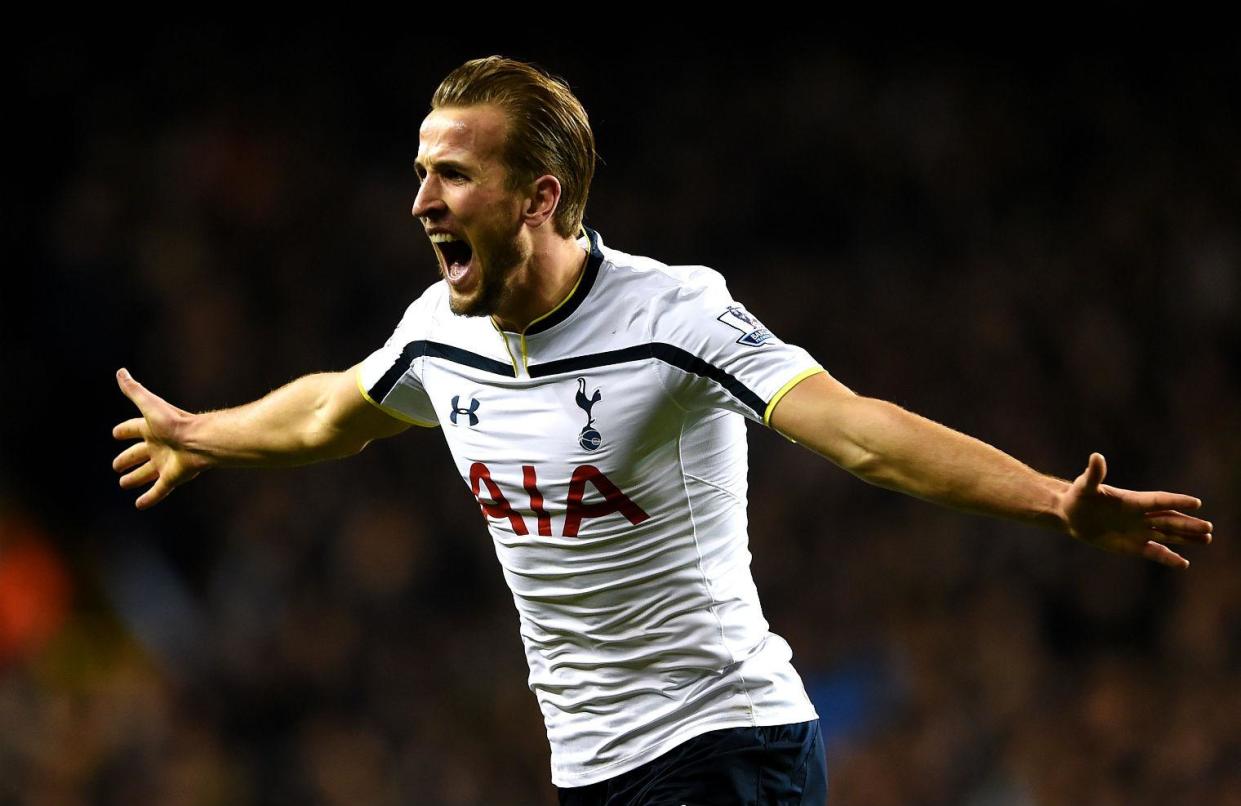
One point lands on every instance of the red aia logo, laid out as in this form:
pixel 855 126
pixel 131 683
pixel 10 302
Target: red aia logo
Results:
pixel 575 511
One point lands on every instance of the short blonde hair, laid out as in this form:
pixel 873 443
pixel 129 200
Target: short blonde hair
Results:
pixel 548 131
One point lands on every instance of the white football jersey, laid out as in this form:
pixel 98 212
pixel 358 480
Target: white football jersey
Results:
pixel 607 450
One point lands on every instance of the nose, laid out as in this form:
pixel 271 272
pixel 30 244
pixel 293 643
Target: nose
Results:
pixel 427 203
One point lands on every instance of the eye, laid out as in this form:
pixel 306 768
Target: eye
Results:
pixel 453 175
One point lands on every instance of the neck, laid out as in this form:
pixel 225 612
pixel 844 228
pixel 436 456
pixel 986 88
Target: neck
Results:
pixel 541 283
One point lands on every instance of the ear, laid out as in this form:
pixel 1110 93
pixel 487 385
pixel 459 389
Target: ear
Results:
pixel 543 200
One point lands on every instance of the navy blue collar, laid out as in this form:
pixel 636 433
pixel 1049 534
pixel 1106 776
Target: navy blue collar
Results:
pixel 589 274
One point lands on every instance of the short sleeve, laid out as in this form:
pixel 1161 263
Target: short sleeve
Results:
pixel 391 377
pixel 716 354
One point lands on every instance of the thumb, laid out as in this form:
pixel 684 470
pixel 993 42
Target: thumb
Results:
pixel 133 390
pixel 1096 469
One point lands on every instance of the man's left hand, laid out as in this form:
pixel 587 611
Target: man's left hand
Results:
pixel 1128 522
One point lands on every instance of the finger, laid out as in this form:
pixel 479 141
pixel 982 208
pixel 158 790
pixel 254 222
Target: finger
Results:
pixel 1176 523
pixel 1163 555
pixel 136 478
pixel 1182 540
pixel 129 385
pixel 1168 538
pixel 129 430
pixel 134 454
pixel 1164 536
pixel 153 496
pixel 1096 469
pixel 138 394
pixel 1173 516
pixel 1155 501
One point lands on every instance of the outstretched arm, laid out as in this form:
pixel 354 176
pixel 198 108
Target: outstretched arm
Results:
pixel 885 445
pixel 314 418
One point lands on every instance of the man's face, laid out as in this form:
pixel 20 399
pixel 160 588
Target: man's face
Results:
pixel 465 204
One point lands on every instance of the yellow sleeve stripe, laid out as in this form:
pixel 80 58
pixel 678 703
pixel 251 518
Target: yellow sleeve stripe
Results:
pixel 784 390
pixel 357 377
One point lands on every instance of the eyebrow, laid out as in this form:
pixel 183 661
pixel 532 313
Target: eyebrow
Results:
pixel 442 164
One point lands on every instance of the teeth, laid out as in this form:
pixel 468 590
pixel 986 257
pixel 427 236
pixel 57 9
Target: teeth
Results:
pixel 443 237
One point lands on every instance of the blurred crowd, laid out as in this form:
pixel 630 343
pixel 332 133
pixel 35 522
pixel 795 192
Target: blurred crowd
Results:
pixel 1038 250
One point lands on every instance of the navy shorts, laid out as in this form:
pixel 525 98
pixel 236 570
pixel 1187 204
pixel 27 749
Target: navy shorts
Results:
pixel 781 764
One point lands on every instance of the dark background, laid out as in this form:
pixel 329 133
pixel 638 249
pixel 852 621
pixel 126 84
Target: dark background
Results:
pixel 1035 245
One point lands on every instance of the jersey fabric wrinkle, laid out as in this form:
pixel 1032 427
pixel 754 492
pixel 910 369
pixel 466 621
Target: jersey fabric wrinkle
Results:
pixel 613 431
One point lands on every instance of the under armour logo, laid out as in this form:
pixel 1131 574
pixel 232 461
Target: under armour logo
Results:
pixel 457 410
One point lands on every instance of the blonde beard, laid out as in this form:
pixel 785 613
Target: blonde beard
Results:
pixel 494 286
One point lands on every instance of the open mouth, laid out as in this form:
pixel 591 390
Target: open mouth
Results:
pixel 456 253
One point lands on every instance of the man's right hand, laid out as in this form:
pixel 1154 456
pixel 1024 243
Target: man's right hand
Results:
pixel 317 417
pixel 160 456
